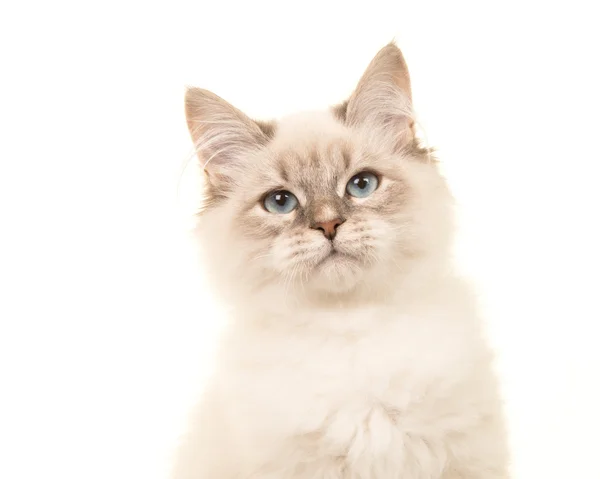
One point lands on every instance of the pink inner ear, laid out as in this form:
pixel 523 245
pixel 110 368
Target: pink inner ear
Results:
pixel 223 135
pixel 382 99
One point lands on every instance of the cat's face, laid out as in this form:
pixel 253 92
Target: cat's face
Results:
pixel 327 202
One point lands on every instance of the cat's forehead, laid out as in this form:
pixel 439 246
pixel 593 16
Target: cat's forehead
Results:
pixel 311 148
pixel 313 161
pixel 308 125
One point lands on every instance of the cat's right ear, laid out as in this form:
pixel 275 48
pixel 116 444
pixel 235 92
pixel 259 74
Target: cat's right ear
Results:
pixel 223 136
pixel 382 99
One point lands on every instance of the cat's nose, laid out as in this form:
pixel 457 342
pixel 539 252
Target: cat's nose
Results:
pixel 328 228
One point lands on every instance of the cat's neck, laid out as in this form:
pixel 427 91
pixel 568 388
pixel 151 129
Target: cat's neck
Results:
pixel 353 311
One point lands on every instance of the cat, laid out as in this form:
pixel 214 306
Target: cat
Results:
pixel 353 349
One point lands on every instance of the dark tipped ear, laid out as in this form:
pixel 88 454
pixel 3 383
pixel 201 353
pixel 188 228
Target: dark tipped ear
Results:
pixel 223 135
pixel 382 99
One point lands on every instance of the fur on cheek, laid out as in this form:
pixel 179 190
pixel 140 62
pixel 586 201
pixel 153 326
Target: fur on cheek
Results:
pixel 355 350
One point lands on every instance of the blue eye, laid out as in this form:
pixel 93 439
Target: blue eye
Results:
pixel 280 202
pixel 362 185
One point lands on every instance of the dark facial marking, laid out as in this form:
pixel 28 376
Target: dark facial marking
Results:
pixel 347 158
pixel 255 227
pixel 282 171
pixel 315 157
pixel 340 111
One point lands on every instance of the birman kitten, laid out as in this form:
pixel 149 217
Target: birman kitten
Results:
pixel 353 350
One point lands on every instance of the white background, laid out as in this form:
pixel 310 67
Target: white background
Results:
pixel 103 322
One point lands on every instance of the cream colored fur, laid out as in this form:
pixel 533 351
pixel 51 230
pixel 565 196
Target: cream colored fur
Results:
pixel 368 366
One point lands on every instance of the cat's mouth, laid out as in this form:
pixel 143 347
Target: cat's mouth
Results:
pixel 333 255
pixel 336 270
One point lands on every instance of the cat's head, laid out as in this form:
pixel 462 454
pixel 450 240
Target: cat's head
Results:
pixel 331 204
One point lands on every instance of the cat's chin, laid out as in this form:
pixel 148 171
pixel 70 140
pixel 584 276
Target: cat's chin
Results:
pixel 337 273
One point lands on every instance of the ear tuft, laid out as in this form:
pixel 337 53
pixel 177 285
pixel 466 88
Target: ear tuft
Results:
pixel 223 136
pixel 382 100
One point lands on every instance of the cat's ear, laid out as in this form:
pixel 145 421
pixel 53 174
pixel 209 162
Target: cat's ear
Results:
pixel 223 136
pixel 382 100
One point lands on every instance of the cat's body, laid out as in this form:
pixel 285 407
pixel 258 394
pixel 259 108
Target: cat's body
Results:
pixel 353 351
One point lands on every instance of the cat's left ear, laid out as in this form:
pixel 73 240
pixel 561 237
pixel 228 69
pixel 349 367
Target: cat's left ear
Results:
pixel 382 100
pixel 224 137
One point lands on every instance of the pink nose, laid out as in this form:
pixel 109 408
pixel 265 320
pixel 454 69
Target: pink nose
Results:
pixel 328 227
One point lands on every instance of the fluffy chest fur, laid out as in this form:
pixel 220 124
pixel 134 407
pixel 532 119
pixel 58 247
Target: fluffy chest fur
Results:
pixel 354 351
pixel 360 401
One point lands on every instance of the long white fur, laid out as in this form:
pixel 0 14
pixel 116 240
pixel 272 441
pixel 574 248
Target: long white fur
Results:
pixel 398 386
pixel 373 372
